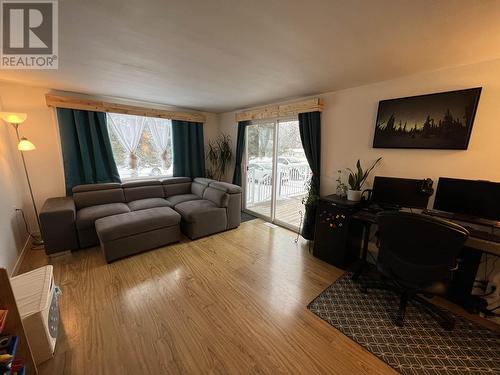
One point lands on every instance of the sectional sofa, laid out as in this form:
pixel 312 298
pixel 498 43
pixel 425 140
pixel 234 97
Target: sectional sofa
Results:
pixel 130 217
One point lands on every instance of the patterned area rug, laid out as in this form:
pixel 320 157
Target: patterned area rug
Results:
pixel 421 346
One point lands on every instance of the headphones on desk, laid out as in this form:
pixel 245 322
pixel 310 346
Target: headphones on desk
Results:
pixel 425 187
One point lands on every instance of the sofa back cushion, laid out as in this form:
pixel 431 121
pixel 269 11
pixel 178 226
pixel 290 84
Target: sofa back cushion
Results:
pixel 96 194
pixel 135 190
pixel 216 196
pixel 199 185
pixel 176 186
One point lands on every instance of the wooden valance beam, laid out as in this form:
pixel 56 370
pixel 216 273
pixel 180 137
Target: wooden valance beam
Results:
pixel 282 110
pixel 60 101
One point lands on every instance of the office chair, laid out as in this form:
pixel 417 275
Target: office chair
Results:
pixel 418 254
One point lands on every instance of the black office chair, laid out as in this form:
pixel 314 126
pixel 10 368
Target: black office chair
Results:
pixel 418 253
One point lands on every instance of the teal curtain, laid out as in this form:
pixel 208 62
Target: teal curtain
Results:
pixel 188 149
pixel 310 135
pixel 240 148
pixel 86 148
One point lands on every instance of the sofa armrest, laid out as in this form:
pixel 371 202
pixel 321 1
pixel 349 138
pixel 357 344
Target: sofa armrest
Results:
pixel 226 187
pixel 57 221
pixel 232 201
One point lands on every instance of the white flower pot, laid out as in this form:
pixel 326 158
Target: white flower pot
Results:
pixel 354 195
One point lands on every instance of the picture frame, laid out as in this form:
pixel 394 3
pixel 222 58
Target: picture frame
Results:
pixel 441 120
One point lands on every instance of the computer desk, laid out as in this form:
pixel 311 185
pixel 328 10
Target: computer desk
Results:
pixel 474 247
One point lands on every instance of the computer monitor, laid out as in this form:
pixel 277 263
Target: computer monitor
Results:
pixel 468 197
pixel 399 192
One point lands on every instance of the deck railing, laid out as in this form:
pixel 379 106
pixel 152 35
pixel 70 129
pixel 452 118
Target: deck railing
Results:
pixel 291 182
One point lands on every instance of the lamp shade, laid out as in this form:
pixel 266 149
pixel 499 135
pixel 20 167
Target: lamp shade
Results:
pixel 13 118
pixel 25 145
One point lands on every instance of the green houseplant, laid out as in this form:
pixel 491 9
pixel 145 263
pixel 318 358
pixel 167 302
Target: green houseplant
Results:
pixel 310 201
pixel 357 179
pixel 219 156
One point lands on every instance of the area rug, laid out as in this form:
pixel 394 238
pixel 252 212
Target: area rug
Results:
pixel 246 217
pixel 421 346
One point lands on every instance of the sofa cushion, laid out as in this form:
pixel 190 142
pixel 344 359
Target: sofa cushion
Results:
pixel 139 183
pixel 198 188
pixel 192 211
pixel 177 189
pixel 175 180
pixel 86 217
pixel 131 223
pixel 176 199
pixel 135 190
pixel 144 204
pixel 216 196
pixel 203 180
pixel 91 196
pixel 93 187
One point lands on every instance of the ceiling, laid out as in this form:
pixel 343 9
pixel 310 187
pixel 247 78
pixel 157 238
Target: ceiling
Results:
pixel 222 55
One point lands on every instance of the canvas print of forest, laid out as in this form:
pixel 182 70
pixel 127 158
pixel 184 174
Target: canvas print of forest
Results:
pixel 436 121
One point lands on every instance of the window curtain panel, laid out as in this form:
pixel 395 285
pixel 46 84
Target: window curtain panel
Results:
pixel 310 135
pixel 86 148
pixel 128 130
pixel 188 149
pixel 240 148
pixel 161 134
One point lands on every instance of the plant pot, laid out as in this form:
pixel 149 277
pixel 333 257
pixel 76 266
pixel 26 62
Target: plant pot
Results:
pixel 309 222
pixel 354 195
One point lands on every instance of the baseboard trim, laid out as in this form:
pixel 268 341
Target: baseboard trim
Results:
pixel 20 258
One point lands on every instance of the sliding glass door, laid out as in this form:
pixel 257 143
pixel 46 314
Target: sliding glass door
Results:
pixel 259 168
pixel 276 172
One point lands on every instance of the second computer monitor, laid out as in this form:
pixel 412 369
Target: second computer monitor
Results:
pixel 400 192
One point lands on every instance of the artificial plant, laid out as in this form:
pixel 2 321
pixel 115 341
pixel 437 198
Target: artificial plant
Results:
pixel 219 155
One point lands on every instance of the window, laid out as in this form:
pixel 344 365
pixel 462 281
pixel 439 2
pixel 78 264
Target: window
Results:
pixel 142 146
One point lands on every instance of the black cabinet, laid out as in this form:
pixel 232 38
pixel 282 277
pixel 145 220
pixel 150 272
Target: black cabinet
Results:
pixel 337 238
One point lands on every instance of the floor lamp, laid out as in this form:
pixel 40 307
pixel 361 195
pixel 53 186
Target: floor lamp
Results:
pixel 16 119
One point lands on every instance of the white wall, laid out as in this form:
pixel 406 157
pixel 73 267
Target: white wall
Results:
pixel 348 123
pixel 13 194
pixel 45 163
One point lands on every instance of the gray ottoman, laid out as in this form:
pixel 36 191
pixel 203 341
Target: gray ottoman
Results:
pixel 133 232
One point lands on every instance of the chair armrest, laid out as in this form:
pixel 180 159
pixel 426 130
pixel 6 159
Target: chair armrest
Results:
pixel 57 222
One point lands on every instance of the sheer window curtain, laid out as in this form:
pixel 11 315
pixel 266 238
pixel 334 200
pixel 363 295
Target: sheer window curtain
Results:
pixel 161 132
pixel 128 130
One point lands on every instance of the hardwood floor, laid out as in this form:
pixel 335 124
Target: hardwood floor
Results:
pixel 231 303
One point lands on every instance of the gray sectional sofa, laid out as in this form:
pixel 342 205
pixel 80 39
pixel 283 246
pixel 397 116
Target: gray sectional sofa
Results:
pixel 135 216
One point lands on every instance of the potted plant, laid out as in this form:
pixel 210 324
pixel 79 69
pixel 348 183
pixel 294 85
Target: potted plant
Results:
pixel 357 179
pixel 310 201
pixel 219 156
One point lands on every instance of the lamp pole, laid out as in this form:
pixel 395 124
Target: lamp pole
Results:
pixel 36 241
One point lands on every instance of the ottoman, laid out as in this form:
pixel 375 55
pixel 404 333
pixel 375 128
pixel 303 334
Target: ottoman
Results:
pixel 133 232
